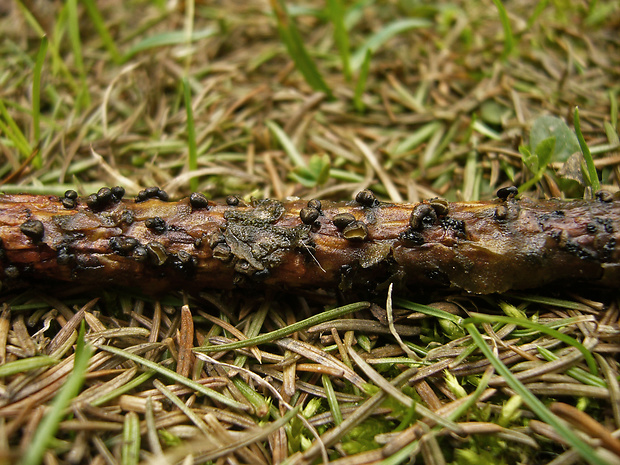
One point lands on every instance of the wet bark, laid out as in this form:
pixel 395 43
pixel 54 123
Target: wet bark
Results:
pixel 158 245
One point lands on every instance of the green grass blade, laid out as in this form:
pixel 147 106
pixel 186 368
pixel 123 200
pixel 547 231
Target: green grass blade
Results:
pixel 587 355
pixel 287 144
pixel 534 403
pixel 168 38
pixel 288 330
pixel 509 41
pixel 192 159
pixel 379 38
pixel 540 7
pixel 83 97
pixel 49 424
pixel 294 44
pixel 57 61
pixel 168 373
pixel 430 311
pixel 134 383
pixel 334 407
pixel 336 12
pixel 130 449
pixel 575 372
pixel 585 150
pixel 26 364
pixel 613 107
pixel 360 85
pixel 102 30
pixel 260 405
pixel 10 128
pixel 36 97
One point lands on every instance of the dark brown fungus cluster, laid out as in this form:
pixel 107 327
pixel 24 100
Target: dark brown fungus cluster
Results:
pixel 411 238
pixel 232 201
pixel 441 206
pixel 314 203
pixel 104 198
pixel 311 213
pixel 501 212
pixel 152 193
pixel 123 245
pixel 355 231
pixel 505 193
pixel 366 198
pixel 422 216
pixel 156 224
pixel 34 229
pixel 604 196
pixel 426 215
pixel 342 220
pixel 198 201
pixel 156 253
pixel 69 201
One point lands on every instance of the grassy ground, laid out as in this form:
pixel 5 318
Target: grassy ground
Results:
pixel 410 99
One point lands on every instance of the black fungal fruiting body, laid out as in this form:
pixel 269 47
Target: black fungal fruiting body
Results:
pixel 366 198
pixel 480 247
pixel 309 215
pixel 34 229
pixel 198 201
pixel 506 192
pixel 153 192
pixel 156 224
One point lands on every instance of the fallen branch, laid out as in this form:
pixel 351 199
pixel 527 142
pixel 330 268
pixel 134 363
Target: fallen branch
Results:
pixel 157 245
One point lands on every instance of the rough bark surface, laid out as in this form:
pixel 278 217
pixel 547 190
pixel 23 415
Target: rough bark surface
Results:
pixel 156 245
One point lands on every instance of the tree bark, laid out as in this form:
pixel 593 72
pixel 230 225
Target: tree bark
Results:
pixel 192 244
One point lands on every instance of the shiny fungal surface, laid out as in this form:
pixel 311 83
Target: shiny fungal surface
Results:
pixel 157 224
pixel 34 229
pixel 604 196
pixel 480 247
pixel 505 192
pixel 68 203
pixel 309 215
pixel 198 201
pixel 356 231
pixel 314 203
pixel 153 192
pixel 440 206
pixel 232 200
pixel 423 215
pixel 366 198
pixel 342 220
pixel 118 193
pixel 501 212
pixel 156 253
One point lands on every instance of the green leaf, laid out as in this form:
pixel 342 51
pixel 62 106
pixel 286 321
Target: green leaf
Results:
pixel 315 174
pixel 566 142
pixel 168 38
pixel 336 12
pixel 590 171
pixel 48 426
pixel 294 44
pixel 544 152
pixel 320 167
pixel 26 364
pixel 360 85
pixel 383 35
